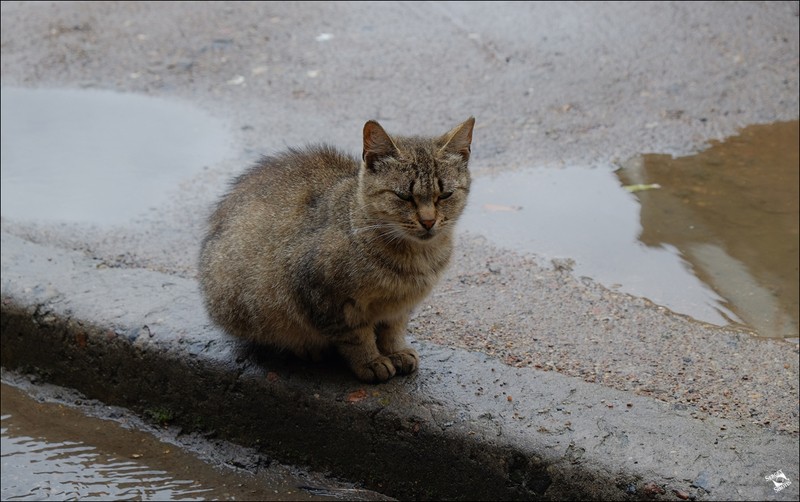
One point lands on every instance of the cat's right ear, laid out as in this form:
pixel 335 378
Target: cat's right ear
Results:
pixel 377 144
pixel 459 139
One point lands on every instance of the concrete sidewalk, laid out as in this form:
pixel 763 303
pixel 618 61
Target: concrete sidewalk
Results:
pixel 464 427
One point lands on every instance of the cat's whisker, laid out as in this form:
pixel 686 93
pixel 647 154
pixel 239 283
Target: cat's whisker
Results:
pixel 389 234
pixel 385 230
pixel 369 227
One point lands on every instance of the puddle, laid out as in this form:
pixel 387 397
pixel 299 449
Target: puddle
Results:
pixel 717 242
pixel 100 157
pixel 584 214
pixel 732 212
pixel 52 451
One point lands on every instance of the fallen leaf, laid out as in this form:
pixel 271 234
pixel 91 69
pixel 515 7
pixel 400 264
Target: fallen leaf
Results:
pixel 641 188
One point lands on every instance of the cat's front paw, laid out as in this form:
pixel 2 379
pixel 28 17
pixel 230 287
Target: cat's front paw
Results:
pixel 405 361
pixel 378 370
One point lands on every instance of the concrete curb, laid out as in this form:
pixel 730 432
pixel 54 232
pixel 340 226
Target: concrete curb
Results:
pixel 464 427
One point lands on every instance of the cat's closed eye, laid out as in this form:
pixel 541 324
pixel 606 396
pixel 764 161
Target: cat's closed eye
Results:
pixel 409 198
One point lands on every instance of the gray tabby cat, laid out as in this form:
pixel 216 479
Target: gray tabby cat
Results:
pixel 312 249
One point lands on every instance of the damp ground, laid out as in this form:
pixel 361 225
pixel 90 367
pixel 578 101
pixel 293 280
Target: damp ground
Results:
pixel 52 449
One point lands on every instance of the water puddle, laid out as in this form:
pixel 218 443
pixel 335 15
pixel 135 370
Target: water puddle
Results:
pixel 54 452
pixel 99 157
pixel 717 241
pixel 732 212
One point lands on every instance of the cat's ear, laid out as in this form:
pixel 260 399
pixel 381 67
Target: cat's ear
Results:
pixel 377 144
pixel 459 139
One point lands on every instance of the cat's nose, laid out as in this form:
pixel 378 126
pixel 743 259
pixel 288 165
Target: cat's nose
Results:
pixel 428 224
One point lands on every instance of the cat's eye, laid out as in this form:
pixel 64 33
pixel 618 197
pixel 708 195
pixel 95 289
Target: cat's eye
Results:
pixel 404 196
pixel 445 195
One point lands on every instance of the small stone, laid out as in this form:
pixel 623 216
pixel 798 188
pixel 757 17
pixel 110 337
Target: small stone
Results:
pixel 702 481
pixel 681 494
pixel 651 489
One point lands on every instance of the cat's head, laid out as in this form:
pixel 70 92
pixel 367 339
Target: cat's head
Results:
pixel 414 188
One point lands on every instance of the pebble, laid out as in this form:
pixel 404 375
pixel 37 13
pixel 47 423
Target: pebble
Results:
pixel 681 494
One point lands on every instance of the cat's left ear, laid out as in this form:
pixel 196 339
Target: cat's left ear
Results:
pixel 459 139
pixel 377 144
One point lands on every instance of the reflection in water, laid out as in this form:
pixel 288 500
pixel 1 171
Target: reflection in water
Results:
pixel 42 462
pixel 583 214
pixel 732 213
pixel 54 452
pixel 73 470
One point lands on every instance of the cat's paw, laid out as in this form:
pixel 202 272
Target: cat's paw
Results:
pixel 405 361
pixel 378 370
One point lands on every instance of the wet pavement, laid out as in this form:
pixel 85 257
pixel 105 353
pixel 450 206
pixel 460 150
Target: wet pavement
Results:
pixel 563 94
pixel 465 426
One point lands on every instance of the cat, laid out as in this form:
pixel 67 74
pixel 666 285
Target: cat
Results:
pixel 312 249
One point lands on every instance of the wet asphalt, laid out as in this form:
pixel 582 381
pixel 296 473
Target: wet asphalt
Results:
pixel 597 399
